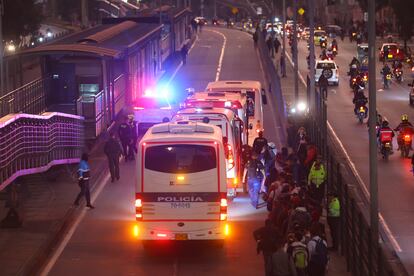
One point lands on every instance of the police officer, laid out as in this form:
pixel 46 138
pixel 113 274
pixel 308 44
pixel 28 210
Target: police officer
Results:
pixel 133 137
pixel 124 136
pixel 84 175
pixel 334 220
pixel 259 143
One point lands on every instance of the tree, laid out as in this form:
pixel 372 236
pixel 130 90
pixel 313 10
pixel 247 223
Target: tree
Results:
pixel 21 17
pixel 379 4
pixel 403 11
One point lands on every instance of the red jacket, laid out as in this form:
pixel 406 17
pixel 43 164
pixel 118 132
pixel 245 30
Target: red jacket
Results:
pixel 311 154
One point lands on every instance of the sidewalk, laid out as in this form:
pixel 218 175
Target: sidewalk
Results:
pixel 337 263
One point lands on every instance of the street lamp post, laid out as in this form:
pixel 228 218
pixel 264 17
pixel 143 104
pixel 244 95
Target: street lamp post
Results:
pixel 311 11
pixel 284 29
pixel 295 50
pixel 373 175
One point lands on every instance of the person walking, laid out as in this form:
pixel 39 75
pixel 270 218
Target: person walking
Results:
pixel 255 38
pixel 276 45
pixel 269 43
pixel 316 180
pixel 283 65
pixel 318 252
pixel 266 238
pixel 298 252
pixel 133 137
pixel 83 178
pixel 184 53
pixel 113 151
pixel 334 220
pixel 124 135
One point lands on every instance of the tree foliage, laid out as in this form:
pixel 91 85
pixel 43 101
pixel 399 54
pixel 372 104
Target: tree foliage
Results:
pixel 379 4
pixel 21 17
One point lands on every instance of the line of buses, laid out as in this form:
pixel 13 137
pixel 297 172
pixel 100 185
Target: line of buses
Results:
pixel 189 166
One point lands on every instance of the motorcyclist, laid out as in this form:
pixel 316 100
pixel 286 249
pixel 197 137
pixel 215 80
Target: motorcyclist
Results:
pixel 322 41
pixel 329 53
pixel 405 127
pixel 324 54
pixel 334 44
pixel 385 71
pixel 360 100
pixel 385 134
pixel 355 61
pixel 397 64
pixel 353 70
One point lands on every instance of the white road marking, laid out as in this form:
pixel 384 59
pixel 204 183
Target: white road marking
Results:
pixel 390 235
pixel 181 63
pixel 56 254
pixel 223 48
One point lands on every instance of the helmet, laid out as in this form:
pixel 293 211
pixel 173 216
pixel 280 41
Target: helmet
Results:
pixel 271 145
pixel 353 66
pixel 385 123
pixel 404 117
pixel 260 133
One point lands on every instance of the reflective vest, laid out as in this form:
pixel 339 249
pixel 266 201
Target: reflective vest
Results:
pixel 334 209
pixel 317 177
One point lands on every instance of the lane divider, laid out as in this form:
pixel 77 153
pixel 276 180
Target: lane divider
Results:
pixel 223 48
pixel 387 229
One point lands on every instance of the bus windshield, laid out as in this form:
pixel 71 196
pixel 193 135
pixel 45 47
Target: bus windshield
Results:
pixel 180 158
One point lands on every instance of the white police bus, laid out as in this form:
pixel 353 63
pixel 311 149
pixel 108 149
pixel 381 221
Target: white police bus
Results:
pixel 181 187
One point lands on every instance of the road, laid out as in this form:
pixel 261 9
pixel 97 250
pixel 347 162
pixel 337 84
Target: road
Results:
pixel 396 185
pixel 102 240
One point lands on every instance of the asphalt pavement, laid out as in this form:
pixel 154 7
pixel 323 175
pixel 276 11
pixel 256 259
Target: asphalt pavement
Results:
pixel 395 179
pixel 103 240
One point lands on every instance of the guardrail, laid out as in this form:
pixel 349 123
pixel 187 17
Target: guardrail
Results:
pixel 33 143
pixel 30 98
pixel 357 244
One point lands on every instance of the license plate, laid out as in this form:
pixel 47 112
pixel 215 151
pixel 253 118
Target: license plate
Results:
pixel 181 237
pixel 389 56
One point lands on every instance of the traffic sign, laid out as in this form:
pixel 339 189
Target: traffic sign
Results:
pixel 259 10
pixel 235 10
pixel 301 11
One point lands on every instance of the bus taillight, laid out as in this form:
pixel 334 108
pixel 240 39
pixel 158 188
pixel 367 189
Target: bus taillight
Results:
pixel 223 209
pixel 138 208
pixel 229 156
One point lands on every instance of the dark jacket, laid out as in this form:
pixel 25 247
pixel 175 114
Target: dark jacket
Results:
pixel 266 236
pixel 112 148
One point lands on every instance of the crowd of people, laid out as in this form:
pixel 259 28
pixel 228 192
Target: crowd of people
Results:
pixel 293 240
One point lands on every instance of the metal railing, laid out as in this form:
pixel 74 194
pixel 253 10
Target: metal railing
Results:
pixel 30 98
pixel 357 245
pixel 33 143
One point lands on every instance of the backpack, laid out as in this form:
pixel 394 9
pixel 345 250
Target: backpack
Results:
pixel 300 256
pixel 320 255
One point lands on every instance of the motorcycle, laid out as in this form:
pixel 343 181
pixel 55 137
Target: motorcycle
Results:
pixel 365 78
pixel 386 150
pixel 361 114
pixel 387 81
pixel 405 145
pixel 334 51
pixel 398 73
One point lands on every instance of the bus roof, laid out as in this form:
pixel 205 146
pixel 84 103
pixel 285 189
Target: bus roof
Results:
pixel 228 113
pixel 217 96
pixel 183 131
pixel 233 84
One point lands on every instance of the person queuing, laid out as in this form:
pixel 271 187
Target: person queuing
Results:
pixel 113 151
pixel 124 133
pixel 294 201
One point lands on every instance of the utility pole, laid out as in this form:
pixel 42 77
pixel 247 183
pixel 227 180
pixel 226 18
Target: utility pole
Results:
pixel 160 12
pixel 2 92
pixel 373 175
pixel 311 11
pixel 284 29
pixel 202 8
pixel 215 9
pixel 295 50
pixel 84 13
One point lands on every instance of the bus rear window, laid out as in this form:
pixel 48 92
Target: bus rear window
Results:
pixel 180 158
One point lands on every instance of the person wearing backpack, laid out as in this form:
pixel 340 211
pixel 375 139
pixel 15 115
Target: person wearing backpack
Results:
pixel 299 254
pixel 282 265
pixel 299 216
pixel 266 238
pixel 318 252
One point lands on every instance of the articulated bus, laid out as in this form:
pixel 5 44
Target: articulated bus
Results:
pixel 181 187
pixel 232 128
